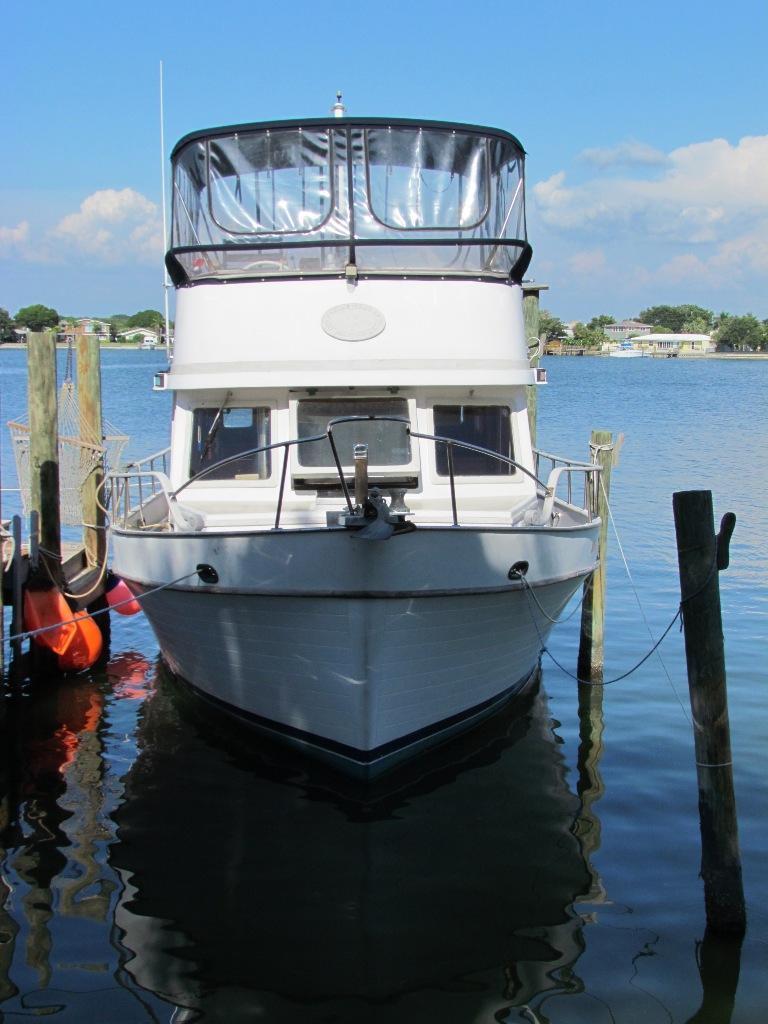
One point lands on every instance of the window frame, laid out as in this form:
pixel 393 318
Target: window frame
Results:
pixel 333 163
pixel 455 229
pixel 440 479
pixel 270 406
pixel 392 472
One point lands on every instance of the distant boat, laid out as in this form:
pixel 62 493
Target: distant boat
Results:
pixel 627 350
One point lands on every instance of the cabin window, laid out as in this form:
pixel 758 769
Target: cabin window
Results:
pixel 487 426
pixel 222 433
pixel 276 182
pixel 388 443
pixel 427 179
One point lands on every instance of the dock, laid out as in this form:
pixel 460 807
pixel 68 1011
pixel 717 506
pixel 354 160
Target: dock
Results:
pixel 34 553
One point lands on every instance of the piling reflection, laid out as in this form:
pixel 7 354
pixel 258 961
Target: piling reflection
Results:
pixel 50 738
pixel 590 787
pixel 719 961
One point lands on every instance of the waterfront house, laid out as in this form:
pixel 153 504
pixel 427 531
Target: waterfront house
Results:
pixel 71 330
pixel 624 329
pixel 675 344
pixel 140 335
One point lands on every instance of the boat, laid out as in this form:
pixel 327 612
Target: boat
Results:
pixel 351 542
pixel 626 350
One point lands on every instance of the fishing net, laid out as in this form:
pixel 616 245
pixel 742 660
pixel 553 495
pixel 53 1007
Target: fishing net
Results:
pixel 81 451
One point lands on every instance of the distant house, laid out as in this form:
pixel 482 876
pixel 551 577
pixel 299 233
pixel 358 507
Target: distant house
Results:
pixel 140 335
pixel 624 329
pixel 83 327
pixel 675 344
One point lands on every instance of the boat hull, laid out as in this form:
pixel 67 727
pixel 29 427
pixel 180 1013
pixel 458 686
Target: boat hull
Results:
pixel 361 676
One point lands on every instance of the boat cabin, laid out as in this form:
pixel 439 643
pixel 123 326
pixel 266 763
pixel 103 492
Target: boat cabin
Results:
pixel 348 197
pixel 341 268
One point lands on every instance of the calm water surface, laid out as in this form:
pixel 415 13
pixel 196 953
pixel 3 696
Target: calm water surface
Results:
pixel 159 865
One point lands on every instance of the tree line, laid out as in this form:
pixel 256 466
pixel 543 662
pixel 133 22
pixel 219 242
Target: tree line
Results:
pixel 729 332
pixel 43 318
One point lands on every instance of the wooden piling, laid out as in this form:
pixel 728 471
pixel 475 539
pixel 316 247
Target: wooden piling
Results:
pixel 592 640
pixel 17 603
pixel 89 403
pixel 698 559
pixel 44 447
pixel 2 584
pixel 531 324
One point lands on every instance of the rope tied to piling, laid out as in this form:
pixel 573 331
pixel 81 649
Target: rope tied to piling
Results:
pixel 530 595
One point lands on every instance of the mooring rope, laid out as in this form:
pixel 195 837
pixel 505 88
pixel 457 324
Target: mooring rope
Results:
pixel 103 611
pixel 527 590
pixel 639 603
pixel 58 558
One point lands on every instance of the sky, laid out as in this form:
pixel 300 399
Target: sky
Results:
pixel 645 125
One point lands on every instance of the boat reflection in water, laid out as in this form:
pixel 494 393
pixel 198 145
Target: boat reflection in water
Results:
pixel 252 892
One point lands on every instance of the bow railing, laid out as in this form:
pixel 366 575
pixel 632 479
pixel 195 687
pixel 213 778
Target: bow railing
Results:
pixel 141 495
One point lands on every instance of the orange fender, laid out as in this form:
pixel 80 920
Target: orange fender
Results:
pixel 44 608
pixel 85 646
pixel 119 597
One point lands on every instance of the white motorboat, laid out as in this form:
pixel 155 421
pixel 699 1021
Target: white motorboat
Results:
pixel 356 545
pixel 626 350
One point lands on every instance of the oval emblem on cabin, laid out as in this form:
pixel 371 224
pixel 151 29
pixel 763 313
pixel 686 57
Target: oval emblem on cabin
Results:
pixel 353 321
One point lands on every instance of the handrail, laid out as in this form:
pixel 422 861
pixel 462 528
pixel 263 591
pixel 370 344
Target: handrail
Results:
pixel 149 460
pixel 120 491
pixel 546 489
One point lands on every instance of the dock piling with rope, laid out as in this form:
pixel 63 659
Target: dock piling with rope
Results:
pixel 60 456
pixel 592 638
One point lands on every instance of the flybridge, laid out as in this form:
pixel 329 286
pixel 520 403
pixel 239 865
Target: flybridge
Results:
pixel 348 197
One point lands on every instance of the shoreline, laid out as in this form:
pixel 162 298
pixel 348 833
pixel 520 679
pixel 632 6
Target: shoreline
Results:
pixel 104 345
pixel 117 345
pixel 663 355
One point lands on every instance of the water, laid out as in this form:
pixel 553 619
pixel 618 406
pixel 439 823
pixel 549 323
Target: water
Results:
pixel 157 867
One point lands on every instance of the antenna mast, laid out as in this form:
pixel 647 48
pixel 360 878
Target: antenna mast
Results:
pixel 166 281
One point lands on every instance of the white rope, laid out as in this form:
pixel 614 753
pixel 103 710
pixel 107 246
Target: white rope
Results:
pixel 639 603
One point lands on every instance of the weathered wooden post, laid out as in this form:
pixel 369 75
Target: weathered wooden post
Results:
pixel 44 446
pixel 592 640
pixel 2 584
pixel 531 323
pixel 17 603
pixel 701 555
pixel 89 403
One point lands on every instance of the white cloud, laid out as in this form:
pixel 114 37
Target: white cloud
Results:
pixel 116 226
pixel 625 153
pixel 10 238
pixel 111 226
pixel 586 262
pixel 709 192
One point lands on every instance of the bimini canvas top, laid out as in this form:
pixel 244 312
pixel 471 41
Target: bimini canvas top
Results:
pixel 318 197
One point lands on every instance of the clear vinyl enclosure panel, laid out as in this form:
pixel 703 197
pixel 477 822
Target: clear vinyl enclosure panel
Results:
pixel 309 200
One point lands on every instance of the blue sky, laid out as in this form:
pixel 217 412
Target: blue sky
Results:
pixel 646 127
